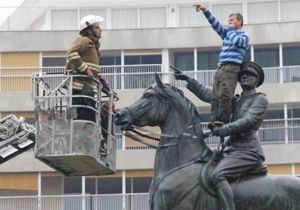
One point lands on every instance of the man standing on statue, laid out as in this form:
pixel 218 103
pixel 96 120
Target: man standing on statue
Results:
pixel 235 43
pixel 243 152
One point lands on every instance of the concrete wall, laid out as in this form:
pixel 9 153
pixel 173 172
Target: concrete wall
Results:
pixel 144 159
pixel 16 101
pixel 148 38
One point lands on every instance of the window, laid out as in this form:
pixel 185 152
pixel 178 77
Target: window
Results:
pixel 247 56
pixel 188 17
pixel 291 55
pixel 53 65
pixel 52 185
pixel 124 18
pixel 273 119
pixel 138 184
pixel 294 113
pixel 290 10
pixel 274 114
pixel 142 59
pixel 262 12
pixel 143 80
pixel 111 67
pixel 53 61
pixel 90 186
pixel 153 17
pixel 184 60
pixel 110 60
pixel 222 11
pixel 266 56
pixel 64 19
pixel 72 185
pixel 208 59
pixel 109 185
pixel 294 123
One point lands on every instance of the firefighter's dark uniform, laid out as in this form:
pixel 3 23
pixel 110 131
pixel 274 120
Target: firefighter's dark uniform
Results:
pixel 81 56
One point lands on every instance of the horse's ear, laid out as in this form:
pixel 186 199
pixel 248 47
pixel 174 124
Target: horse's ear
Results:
pixel 158 81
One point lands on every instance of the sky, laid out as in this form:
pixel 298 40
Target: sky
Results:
pixel 7 7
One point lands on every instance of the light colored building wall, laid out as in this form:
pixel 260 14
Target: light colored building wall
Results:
pixel 15 64
pixel 144 159
pixel 20 59
pixel 144 39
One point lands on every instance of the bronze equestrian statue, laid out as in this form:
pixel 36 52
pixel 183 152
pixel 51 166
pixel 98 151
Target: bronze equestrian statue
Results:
pixel 243 151
pixel 186 173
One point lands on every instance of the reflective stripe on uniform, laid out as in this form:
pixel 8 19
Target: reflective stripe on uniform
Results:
pixel 83 67
pixel 73 56
pixel 76 88
pixel 77 85
pixel 94 67
pixel 95 88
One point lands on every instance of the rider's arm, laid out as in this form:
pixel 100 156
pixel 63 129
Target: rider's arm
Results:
pixel 251 118
pixel 202 92
pixel 80 45
pixel 215 24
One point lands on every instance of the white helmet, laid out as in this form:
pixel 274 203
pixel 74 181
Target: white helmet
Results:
pixel 91 20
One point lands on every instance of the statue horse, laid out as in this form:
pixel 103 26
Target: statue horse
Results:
pixel 182 159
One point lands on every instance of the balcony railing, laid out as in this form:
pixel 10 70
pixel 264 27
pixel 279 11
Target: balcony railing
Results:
pixel 275 131
pixel 77 202
pixel 136 76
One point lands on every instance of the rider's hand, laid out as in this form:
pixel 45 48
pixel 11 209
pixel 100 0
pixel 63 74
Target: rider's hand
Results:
pixel 180 76
pixel 199 7
pixel 220 131
pixel 90 74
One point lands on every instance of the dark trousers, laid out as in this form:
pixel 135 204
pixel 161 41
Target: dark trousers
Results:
pixel 235 164
pixel 82 112
pixel 225 81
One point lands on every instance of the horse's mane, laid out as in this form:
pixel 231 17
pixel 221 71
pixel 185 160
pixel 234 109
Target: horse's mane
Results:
pixel 191 105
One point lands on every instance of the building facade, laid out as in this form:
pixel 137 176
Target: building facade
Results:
pixel 141 39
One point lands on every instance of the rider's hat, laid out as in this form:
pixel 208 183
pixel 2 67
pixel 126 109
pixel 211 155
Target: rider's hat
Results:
pixel 253 68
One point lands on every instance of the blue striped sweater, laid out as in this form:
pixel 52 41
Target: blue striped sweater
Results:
pixel 235 42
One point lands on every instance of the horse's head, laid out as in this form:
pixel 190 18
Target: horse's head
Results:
pixel 151 109
pixel 156 107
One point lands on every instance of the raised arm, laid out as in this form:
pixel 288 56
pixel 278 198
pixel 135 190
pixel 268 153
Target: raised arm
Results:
pixel 215 24
pixel 202 92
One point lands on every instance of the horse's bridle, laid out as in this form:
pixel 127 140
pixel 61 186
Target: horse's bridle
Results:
pixel 156 136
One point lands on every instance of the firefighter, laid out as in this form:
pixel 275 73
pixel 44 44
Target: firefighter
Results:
pixel 83 58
